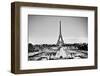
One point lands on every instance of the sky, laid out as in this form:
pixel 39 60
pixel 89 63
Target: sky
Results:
pixel 43 29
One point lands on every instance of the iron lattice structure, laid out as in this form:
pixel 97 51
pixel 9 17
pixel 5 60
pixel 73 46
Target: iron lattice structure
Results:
pixel 60 41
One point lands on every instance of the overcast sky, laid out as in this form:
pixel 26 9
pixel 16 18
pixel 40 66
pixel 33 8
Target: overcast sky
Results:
pixel 45 29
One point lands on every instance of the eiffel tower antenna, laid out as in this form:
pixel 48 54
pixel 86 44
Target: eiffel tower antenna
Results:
pixel 60 41
pixel 60 27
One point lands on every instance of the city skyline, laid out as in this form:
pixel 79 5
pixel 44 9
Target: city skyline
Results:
pixel 45 29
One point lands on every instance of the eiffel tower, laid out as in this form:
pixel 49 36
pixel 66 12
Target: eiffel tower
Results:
pixel 60 41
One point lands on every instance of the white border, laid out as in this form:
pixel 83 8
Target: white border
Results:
pixel 25 64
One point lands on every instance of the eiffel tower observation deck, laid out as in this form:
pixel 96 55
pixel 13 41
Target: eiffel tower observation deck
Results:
pixel 60 41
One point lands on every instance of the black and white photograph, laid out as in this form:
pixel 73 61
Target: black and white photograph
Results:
pixel 57 37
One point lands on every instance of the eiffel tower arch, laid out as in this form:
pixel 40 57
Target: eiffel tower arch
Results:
pixel 60 41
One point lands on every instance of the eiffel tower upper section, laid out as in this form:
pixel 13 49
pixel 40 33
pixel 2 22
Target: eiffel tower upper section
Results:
pixel 60 41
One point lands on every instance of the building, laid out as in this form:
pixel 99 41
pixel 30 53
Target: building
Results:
pixel 60 41
pixel 61 53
